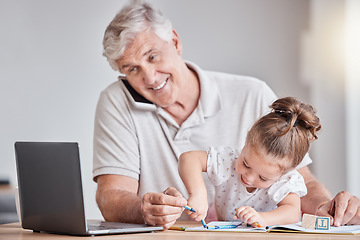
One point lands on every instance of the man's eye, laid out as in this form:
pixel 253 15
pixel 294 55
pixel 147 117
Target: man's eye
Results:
pixel 132 70
pixel 152 57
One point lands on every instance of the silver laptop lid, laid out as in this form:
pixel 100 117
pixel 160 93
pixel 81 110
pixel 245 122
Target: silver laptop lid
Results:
pixel 50 187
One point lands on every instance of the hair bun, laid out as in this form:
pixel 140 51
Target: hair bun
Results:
pixel 298 114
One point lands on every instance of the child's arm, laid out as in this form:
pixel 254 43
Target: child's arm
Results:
pixel 191 166
pixel 287 212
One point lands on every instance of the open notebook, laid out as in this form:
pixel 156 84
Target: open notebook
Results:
pixel 294 228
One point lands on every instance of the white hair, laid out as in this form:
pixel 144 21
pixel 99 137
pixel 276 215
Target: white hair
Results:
pixel 132 19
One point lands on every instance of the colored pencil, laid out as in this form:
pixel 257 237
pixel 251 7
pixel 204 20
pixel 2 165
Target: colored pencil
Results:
pixel 189 208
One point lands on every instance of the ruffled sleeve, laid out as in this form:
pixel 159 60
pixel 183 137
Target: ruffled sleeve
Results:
pixel 291 182
pixel 220 164
pixel 306 161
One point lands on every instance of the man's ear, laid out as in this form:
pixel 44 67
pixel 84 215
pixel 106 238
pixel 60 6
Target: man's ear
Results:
pixel 176 42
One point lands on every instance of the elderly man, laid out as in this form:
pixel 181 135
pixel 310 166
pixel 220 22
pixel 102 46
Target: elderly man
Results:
pixel 163 106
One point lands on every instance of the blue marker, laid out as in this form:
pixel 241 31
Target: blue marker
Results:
pixel 189 208
pixel 193 210
pixel 203 223
pixel 222 227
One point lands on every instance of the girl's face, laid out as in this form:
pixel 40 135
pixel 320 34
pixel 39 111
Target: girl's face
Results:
pixel 256 169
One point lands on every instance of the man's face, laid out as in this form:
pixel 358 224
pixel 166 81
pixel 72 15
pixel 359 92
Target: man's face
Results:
pixel 153 67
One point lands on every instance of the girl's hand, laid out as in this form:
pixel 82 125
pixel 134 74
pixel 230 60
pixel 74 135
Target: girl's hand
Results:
pixel 200 204
pixel 248 215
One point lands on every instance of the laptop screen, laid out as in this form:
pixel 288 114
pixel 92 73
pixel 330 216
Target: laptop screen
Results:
pixel 50 187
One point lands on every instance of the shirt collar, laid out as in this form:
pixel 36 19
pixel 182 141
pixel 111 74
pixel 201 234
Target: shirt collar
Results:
pixel 209 93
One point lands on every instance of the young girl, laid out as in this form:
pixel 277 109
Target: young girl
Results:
pixel 260 182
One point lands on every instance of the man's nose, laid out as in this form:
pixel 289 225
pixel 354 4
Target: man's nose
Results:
pixel 149 75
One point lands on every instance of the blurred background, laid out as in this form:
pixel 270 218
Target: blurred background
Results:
pixel 52 71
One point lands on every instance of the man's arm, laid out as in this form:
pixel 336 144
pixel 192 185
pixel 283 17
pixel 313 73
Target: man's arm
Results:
pixel 317 193
pixel 117 199
pixel 343 209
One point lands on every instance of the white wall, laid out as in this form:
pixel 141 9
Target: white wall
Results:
pixel 323 66
pixel 352 88
pixel 331 58
pixel 52 70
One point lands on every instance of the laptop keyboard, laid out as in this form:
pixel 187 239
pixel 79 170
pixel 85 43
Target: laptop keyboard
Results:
pixel 109 225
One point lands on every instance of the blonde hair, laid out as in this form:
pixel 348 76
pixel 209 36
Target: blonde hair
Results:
pixel 286 132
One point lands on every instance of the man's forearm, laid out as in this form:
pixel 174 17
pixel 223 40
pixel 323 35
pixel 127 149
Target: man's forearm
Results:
pixel 119 206
pixel 317 194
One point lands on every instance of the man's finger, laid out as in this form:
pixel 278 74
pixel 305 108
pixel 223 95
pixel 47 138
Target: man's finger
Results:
pixel 160 214
pixel 164 199
pixel 160 204
pixel 341 204
pixel 168 225
pixel 356 219
pixel 351 210
pixel 173 192
pixel 161 220
pixel 326 210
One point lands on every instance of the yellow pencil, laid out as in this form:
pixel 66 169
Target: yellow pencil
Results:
pixel 177 228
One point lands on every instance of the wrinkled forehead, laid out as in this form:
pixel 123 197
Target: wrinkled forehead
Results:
pixel 137 50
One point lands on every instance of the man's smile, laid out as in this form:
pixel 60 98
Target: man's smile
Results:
pixel 160 86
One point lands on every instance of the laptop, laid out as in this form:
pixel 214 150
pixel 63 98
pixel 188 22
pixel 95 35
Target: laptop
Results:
pixel 51 195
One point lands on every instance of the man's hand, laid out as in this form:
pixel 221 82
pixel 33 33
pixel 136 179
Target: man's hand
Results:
pixel 118 201
pixel 163 209
pixel 343 209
